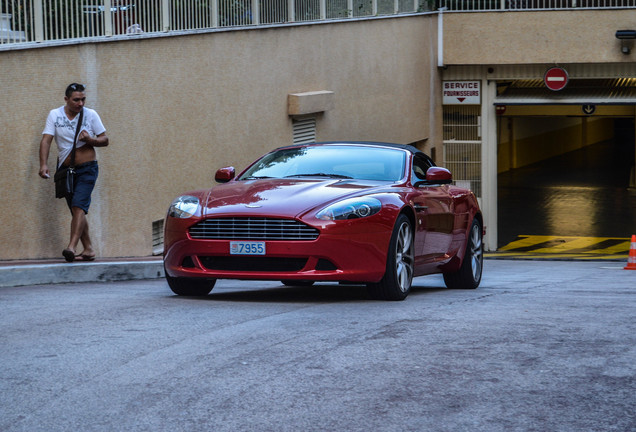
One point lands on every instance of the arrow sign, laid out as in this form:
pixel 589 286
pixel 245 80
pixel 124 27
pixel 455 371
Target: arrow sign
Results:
pixel 588 109
pixel 556 78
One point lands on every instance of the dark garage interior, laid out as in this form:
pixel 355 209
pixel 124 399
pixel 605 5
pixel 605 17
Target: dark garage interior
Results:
pixel 584 193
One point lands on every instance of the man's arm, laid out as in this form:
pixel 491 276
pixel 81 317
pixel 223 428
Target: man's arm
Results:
pixel 100 140
pixel 45 148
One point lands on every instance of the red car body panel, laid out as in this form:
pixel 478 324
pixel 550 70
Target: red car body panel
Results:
pixel 353 250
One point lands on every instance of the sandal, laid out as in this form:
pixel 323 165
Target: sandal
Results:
pixel 69 255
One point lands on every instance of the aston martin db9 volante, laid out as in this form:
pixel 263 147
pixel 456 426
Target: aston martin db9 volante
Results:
pixel 368 213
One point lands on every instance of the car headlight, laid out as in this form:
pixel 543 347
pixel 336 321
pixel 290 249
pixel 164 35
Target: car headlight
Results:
pixel 352 208
pixel 184 207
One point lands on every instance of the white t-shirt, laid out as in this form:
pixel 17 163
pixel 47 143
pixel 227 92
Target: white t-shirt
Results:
pixel 63 129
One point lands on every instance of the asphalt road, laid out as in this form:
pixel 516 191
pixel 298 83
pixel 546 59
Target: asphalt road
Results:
pixel 540 346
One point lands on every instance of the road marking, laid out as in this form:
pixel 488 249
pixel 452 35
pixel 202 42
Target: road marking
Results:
pixel 564 247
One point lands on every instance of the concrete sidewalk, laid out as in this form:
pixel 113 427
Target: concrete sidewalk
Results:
pixel 54 271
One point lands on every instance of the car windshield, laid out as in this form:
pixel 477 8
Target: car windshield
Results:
pixel 331 161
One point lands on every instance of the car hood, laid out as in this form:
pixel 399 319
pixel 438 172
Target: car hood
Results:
pixel 281 197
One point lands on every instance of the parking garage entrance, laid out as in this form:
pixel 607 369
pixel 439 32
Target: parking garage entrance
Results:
pixel 566 180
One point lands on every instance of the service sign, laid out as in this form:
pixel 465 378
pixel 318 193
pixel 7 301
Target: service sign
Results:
pixel 462 92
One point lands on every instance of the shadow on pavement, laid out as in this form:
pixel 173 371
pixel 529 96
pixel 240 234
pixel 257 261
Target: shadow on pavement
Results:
pixel 319 293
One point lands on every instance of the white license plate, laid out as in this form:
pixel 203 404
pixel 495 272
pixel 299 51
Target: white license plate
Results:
pixel 247 248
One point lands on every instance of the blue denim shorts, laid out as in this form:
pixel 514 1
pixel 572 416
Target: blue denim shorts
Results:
pixel 85 178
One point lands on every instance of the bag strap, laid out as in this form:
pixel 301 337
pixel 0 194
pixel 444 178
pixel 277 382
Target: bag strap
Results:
pixel 77 131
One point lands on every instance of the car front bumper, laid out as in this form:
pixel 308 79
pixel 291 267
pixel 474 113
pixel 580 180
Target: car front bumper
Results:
pixel 343 256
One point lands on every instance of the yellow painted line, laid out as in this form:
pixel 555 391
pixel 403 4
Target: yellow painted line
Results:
pixel 570 243
pixel 525 242
pixel 617 249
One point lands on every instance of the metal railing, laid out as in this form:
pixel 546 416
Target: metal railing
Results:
pixel 52 20
pixel 486 5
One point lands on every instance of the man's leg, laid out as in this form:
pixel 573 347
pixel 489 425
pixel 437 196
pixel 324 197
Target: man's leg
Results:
pixel 88 254
pixel 79 204
pixel 79 226
pixel 79 232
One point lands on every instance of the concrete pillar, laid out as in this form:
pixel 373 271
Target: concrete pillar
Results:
pixel 489 163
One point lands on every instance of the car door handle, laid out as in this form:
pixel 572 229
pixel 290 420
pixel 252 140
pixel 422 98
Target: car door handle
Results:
pixel 420 208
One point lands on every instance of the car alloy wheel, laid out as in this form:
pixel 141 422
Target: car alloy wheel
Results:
pixel 469 274
pixel 396 283
pixel 404 257
pixel 476 252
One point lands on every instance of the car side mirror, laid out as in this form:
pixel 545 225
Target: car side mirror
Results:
pixel 436 175
pixel 224 175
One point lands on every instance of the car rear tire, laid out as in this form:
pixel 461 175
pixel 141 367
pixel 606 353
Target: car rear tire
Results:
pixel 297 283
pixel 469 274
pixel 397 280
pixel 190 286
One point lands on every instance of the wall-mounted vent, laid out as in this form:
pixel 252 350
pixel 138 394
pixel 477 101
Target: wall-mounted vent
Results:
pixel 157 237
pixel 304 130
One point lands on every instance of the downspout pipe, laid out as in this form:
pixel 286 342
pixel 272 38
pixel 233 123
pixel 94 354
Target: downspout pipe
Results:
pixel 440 37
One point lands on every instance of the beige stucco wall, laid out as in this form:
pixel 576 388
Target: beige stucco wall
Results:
pixel 178 108
pixel 569 36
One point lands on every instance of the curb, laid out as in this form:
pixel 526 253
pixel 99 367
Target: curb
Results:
pixel 58 273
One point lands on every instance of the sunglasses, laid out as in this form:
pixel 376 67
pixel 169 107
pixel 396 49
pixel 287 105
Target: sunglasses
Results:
pixel 75 87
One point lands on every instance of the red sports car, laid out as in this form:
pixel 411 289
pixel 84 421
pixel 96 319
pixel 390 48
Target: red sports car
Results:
pixel 370 213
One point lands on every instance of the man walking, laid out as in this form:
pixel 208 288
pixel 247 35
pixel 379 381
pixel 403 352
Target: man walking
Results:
pixel 61 124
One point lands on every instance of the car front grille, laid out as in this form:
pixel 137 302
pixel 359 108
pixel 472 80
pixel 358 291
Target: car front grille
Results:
pixel 252 229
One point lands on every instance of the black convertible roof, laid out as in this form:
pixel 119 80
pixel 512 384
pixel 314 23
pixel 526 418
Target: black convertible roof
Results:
pixel 406 147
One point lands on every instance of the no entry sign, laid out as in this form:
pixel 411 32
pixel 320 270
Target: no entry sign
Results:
pixel 556 78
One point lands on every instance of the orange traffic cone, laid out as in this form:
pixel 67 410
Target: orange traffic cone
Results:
pixel 631 259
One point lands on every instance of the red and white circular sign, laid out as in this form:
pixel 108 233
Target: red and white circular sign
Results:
pixel 556 78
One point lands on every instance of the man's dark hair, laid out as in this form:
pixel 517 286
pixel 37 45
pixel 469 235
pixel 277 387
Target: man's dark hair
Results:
pixel 73 88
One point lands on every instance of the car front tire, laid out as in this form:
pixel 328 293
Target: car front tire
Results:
pixel 469 274
pixel 194 287
pixel 397 280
